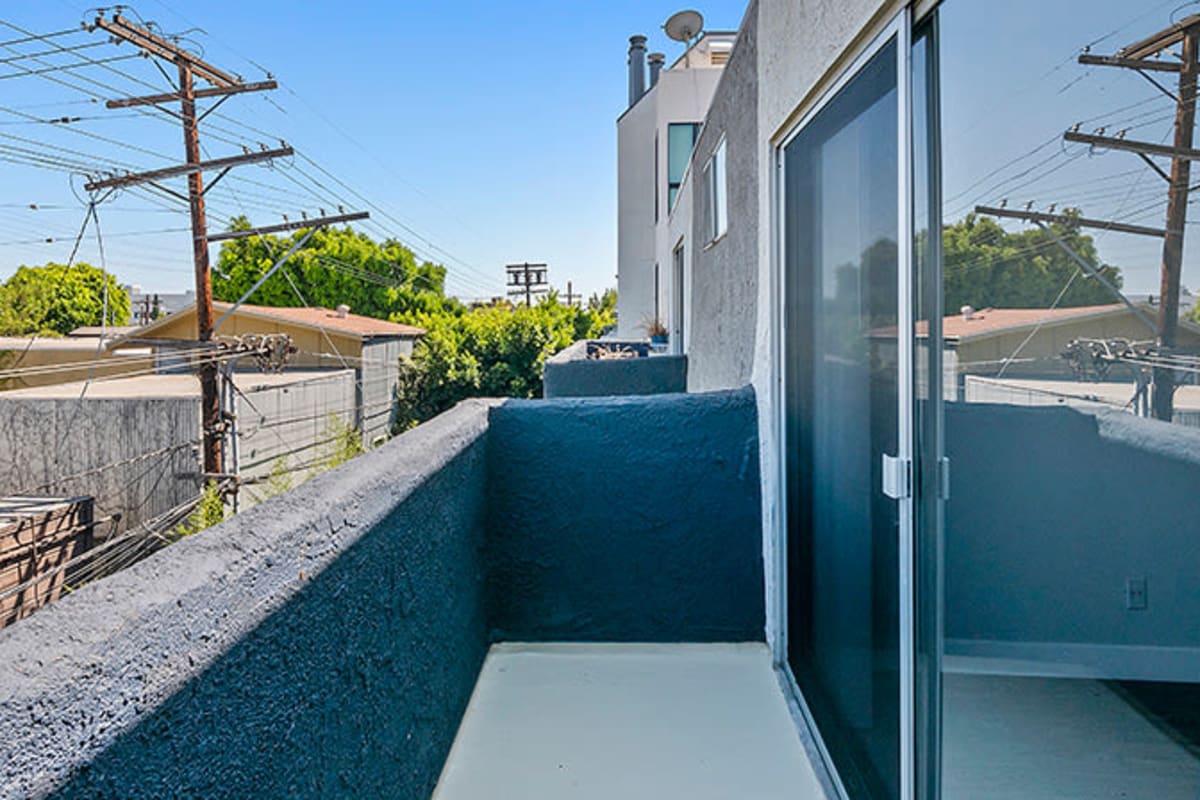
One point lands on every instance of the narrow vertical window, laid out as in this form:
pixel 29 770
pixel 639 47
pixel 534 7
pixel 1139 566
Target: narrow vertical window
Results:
pixel 681 138
pixel 716 213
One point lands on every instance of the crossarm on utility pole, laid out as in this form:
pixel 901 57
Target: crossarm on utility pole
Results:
pixel 290 226
pixel 1065 219
pixel 190 168
pixel 1095 273
pixel 199 94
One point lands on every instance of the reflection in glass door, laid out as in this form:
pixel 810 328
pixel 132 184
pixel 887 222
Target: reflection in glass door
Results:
pixel 845 374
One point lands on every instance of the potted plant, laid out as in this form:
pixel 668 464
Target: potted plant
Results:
pixel 657 331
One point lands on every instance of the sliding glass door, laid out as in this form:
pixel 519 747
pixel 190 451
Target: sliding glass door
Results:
pixel 847 381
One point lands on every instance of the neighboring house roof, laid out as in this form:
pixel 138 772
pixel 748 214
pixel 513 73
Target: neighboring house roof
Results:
pixel 354 325
pixel 82 344
pixel 992 321
pixel 96 330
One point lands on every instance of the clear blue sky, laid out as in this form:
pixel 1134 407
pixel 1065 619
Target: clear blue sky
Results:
pixel 1011 86
pixel 486 128
pixel 486 131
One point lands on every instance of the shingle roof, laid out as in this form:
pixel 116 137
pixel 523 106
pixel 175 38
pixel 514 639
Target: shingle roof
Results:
pixel 352 324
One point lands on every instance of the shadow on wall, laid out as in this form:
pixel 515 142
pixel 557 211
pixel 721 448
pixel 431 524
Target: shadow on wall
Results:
pixel 353 688
pixel 631 519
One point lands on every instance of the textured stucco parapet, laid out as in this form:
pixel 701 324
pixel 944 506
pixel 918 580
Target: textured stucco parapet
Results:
pixel 84 672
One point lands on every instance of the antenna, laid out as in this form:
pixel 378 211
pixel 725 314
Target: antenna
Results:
pixel 683 27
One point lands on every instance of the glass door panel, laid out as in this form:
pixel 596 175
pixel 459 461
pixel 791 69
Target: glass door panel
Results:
pixel 842 225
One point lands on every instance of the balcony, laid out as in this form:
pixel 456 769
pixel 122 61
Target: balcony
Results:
pixel 328 642
pixel 566 598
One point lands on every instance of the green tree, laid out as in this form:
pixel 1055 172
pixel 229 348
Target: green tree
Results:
pixel 496 351
pixel 987 266
pixel 335 266
pixel 57 299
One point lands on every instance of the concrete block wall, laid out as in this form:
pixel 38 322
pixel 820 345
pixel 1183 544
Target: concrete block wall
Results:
pixel 135 456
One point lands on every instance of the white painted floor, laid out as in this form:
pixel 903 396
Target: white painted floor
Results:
pixel 1020 738
pixel 626 722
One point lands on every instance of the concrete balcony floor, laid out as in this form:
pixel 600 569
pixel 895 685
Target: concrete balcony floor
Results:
pixel 627 721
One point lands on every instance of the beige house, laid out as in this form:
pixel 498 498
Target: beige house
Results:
pixel 1029 342
pixel 324 339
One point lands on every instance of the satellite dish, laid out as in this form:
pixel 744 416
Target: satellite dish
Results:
pixel 685 25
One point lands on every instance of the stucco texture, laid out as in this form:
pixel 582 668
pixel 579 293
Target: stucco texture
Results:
pixel 323 644
pixel 724 274
pixel 633 519
pixel 326 642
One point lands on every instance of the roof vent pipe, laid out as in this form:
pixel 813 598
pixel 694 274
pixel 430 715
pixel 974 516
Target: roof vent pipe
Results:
pixel 343 310
pixel 656 64
pixel 637 68
pixel 968 313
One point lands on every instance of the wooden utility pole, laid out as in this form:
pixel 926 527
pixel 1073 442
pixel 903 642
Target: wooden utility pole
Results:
pixel 1172 265
pixel 528 280
pixel 1142 56
pixel 223 85
pixel 210 390
pixel 571 296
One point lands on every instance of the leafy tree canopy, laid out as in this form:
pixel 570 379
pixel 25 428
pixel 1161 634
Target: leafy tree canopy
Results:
pixel 335 266
pixel 987 266
pixel 57 299
pixel 496 351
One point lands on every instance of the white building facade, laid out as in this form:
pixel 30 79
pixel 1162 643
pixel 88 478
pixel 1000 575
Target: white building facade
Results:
pixel 655 138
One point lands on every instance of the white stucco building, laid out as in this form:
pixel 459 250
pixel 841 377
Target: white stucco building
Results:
pixel 655 137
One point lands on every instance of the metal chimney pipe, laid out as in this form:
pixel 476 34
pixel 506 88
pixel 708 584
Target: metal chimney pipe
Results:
pixel 657 60
pixel 637 68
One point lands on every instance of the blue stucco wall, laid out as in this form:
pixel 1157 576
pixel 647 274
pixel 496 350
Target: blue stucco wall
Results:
pixel 632 519
pixel 326 642
pixel 570 374
pixel 323 644
pixel 1051 511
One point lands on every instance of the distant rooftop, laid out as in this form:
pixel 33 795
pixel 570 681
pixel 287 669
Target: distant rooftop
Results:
pixel 353 324
pixel 712 49
pixel 991 320
pixel 96 330
pixel 326 319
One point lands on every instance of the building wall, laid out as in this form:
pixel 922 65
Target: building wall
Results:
pixel 380 379
pixel 289 427
pixel 635 216
pixel 105 443
pixel 681 95
pixel 573 562
pixel 723 286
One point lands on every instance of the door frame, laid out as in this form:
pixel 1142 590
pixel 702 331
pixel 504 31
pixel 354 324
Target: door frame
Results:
pixel 899 29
